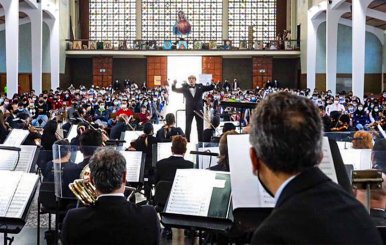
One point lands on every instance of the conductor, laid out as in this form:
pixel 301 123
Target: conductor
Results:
pixel 194 103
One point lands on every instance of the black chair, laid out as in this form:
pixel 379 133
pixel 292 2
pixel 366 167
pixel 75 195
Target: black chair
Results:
pixel 47 204
pixel 43 158
pixel 162 191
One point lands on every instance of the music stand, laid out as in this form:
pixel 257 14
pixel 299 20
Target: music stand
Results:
pixel 199 205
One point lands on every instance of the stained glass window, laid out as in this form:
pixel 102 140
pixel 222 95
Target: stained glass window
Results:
pixel 204 16
pixel 112 20
pixel 261 14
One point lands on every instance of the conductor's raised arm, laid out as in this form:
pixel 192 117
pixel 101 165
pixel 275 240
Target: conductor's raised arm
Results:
pixel 175 89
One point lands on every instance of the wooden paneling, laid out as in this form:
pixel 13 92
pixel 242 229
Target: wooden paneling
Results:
pixel 261 70
pixel 373 82
pixel 156 66
pixel 102 71
pixel 84 15
pixel 212 65
pixel 281 16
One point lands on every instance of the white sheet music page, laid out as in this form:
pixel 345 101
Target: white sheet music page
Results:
pixel 327 164
pixel 72 134
pixel 79 157
pixel 133 165
pixel 22 195
pixel 131 136
pixel 8 183
pixel 8 159
pixel 247 192
pixel 27 156
pixel 191 192
pixel 16 137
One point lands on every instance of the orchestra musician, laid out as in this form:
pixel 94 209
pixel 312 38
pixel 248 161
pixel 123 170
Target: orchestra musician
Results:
pixel 166 132
pixel 286 165
pixel 112 220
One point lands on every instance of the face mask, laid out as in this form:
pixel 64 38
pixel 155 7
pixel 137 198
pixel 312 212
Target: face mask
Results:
pixel 264 186
pixel 41 102
pixel 1 100
pixel 124 106
pixel 101 107
pixel 384 95
pixel 376 109
pixel 20 109
pixel 145 103
pixel 350 109
pixel 360 108
pixel 6 102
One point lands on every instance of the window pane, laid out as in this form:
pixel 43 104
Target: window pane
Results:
pixel 261 14
pixel 112 20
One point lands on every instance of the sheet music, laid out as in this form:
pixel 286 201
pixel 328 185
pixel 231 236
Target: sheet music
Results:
pixel 242 178
pixel 8 184
pixel 130 136
pixel 164 151
pixel 133 165
pixel 207 161
pixel 327 164
pixel 359 158
pixel 16 137
pixel 72 134
pixel 79 157
pixel 191 192
pixel 9 158
pixel 23 192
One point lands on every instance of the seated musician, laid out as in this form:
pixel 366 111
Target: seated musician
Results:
pixel 120 127
pixel 166 168
pixel 286 139
pixel 209 133
pixel 167 131
pixel 378 196
pixel 223 160
pixel 89 141
pixel 112 220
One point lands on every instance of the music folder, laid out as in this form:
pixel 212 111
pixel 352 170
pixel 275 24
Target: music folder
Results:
pixel 16 137
pixel 17 191
pixel 199 198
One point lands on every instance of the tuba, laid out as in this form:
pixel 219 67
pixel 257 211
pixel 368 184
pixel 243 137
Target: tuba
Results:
pixel 83 189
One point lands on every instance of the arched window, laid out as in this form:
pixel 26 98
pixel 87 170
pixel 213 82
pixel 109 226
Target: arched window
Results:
pixel 260 14
pixel 112 20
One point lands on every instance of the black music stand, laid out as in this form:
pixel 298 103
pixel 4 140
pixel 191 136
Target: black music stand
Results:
pixel 219 217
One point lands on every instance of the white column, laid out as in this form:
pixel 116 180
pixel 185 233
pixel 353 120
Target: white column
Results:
pixel 359 8
pixel 225 19
pixel 138 19
pixel 312 29
pixel 333 16
pixel 11 10
pixel 36 16
pixel 54 51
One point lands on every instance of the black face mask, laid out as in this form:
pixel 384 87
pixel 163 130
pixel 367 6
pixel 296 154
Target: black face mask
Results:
pixel 264 186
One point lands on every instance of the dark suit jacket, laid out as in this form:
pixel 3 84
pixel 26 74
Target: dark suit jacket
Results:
pixel 112 220
pixel 166 168
pixel 313 210
pixel 196 102
pixel 378 217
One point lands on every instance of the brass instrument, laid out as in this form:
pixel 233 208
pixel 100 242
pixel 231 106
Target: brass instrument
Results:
pixel 84 191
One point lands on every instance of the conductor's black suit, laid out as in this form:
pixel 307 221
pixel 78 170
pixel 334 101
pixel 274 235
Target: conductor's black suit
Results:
pixel 112 220
pixel 193 102
pixel 313 210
